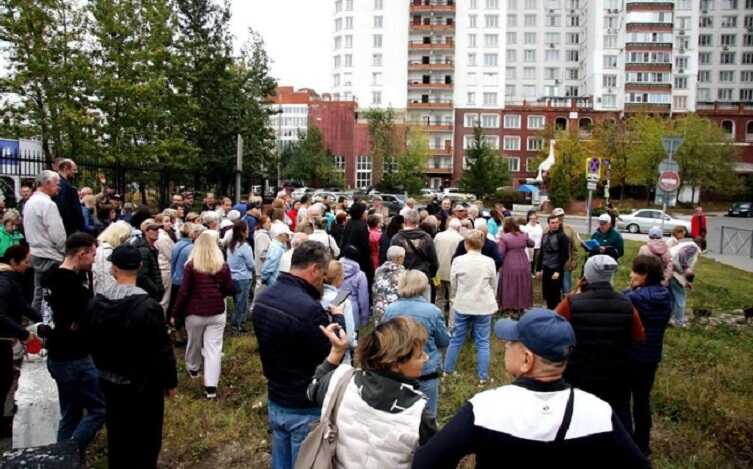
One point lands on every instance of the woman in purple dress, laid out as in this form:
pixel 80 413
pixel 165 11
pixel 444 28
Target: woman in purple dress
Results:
pixel 514 291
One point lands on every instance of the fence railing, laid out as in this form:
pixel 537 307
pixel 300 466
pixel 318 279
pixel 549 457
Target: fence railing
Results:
pixel 736 242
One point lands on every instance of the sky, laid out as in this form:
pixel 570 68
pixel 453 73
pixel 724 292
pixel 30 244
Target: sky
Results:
pixel 296 34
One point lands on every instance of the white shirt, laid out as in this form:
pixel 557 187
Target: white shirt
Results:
pixel 535 232
pixel 473 281
pixel 43 227
pixel 327 240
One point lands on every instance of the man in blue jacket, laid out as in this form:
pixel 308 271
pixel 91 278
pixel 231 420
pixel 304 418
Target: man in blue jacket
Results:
pixel 67 199
pixel 286 319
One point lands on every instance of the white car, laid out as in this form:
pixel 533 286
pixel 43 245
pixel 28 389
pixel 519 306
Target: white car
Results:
pixel 642 220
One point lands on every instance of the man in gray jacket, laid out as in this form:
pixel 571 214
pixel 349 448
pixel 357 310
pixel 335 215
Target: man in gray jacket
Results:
pixel 44 230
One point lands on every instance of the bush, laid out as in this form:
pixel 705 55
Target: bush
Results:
pixel 508 197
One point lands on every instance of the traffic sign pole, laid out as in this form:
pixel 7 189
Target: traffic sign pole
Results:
pixel 670 144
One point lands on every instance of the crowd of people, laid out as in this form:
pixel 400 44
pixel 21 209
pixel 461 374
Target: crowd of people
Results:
pixel 351 306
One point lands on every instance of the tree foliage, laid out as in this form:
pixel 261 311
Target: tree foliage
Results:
pixel 410 164
pixel 568 171
pixel 485 170
pixel 310 161
pixel 384 141
pixel 612 139
pixel 645 150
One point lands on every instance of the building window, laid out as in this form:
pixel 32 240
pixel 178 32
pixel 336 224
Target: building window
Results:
pixel 377 41
pixel 536 122
pixel 348 60
pixel 551 73
pixel 680 102
pixel 704 40
pixel 378 4
pixel 471 98
pixel 610 62
pixel 512 21
pixel 513 164
pixel 509 91
pixel 376 79
pixel 490 121
pixel 470 119
pixel 491 79
pixel 491 40
pixel 609 100
pixel 553 20
pixel 529 73
pixel 706 22
pixel 472 79
pixel 511 55
pixel 491 21
pixel 746 76
pixel 704 76
pixel 748 39
pixel 724 94
pixel 728 39
pixel 376 60
pixel 726 76
pixel 572 38
pixel 609 81
pixel 490 60
pixel 492 4
pixel 530 5
pixel 510 73
pixel 471 40
pixel 529 55
pixel 727 58
pixel 704 58
pixel 681 83
pixel 571 55
pixel 348 5
pixel 511 143
pixel 363 171
pixel 529 20
pixel 472 60
pixel 747 58
pixel 512 38
pixel 472 21
pixel 491 140
pixel 529 38
pixel 348 22
pixel 535 144
pixel 378 21
pixel 512 121
pixel 490 99
pixel 376 97
pixel 340 163
pixel 728 22
pixel 572 74
pixel 728 127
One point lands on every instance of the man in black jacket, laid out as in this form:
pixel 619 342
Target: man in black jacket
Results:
pixel 67 199
pixel 286 318
pixel 420 253
pixel 538 420
pixel 135 382
pixel 150 278
pixel 69 360
pixel 550 265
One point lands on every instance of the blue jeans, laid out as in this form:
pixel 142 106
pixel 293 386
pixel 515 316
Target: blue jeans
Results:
pixel 679 298
pixel 431 389
pixel 78 390
pixel 481 325
pixel 242 289
pixel 289 429
pixel 567 282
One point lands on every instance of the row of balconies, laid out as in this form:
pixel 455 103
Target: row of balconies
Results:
pixel 432 6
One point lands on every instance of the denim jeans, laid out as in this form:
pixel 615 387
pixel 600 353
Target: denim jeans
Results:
pixel 41 266
pixel 567 282
pixel 431 389
pixel 289 429
pixel 679 297
pixel 242 289
pixel 481 325
pixel 78 390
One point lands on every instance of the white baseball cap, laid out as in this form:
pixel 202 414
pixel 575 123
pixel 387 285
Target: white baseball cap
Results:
pixel 279 229
pixel 605 218
pixel 558 212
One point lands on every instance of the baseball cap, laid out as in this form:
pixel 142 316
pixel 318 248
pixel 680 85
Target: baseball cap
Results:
pixel 544 332
pixel 655 233
pixel 279 229
pixel 125 257
pixel 605 218
pixel 599 268
pixel 558 212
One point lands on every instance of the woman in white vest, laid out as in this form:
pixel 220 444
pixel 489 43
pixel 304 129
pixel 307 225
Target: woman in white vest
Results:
pixel 382 417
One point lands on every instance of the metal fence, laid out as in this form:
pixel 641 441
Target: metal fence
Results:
pixel 736 242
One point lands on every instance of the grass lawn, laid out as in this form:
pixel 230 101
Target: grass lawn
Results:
pixel 703 396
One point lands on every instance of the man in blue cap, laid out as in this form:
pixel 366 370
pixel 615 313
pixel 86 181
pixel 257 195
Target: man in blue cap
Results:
pixel 538 419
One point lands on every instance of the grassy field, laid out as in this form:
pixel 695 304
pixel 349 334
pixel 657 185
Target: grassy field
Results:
pixel 703 396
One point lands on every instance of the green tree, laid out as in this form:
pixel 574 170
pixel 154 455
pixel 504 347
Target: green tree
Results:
pixel 560 192
pixel 408 175
pixel 645 150
pixel 611 139
pixel 485 170
pixel 384 142
pixel 311 162
pixel 706 157
pixel 48 71
pixel 571 155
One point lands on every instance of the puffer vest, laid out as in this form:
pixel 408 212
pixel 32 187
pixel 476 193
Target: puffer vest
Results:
pixel 602 319
pixel 370 438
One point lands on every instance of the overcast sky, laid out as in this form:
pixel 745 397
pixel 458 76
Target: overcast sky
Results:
pixel 296 33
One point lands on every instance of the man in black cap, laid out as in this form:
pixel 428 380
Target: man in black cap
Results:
pixel 136 363
pixel 538 420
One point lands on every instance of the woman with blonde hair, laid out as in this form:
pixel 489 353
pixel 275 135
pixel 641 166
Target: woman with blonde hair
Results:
pixel 165 244
pixel 92 225
pixel 201 305
pixel 382 417
pixel 113 236
pixel 10 235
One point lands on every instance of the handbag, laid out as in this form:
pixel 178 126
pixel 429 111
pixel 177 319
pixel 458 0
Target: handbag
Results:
pixel 318 449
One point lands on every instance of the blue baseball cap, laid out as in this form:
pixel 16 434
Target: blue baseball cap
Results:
pixel 544 332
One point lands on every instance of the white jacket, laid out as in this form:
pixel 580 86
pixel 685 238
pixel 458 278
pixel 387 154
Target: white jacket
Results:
pixel 102 268
pixel 368 438
pixel 473 281
pixel 445 243
pixel 43 227
pixel 327 240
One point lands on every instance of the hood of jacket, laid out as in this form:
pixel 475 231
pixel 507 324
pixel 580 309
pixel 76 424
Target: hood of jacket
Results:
pixel 652 295
pixel 350 268
pixel 5 268
pixel 657 247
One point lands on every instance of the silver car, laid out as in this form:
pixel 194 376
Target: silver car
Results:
pixel 642 220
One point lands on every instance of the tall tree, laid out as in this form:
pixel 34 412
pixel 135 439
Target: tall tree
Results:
pixel 612 139
pixel 311 162
pixel 567 176
pixel 47 73
pixel 384 141
pixel 486 170
pixel 408 176
pixel 645 150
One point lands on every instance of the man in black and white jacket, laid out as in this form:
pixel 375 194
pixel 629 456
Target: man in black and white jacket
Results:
pixel 538 419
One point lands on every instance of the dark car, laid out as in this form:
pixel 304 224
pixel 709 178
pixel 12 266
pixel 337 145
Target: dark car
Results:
pixel 740 209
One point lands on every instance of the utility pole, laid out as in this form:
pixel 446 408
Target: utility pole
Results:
pixel 238 168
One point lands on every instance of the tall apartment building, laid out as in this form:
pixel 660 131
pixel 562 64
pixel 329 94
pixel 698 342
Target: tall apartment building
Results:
pixel 290 122
pixel 512 65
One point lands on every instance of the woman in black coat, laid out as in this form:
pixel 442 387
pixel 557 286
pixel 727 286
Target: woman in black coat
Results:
pixel 357 233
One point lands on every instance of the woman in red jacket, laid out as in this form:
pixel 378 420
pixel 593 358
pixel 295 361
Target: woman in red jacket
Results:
pixel 201 303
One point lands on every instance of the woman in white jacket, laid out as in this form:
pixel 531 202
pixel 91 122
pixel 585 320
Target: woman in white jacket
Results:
pixel 261 246
pixel 473 282
pixel 165 245
pixel 113 236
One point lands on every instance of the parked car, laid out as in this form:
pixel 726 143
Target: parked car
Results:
pixel 299 192
pixel 394 202
pixel 454 194
pixel 740 209
pixel 642 220
pixel 324 196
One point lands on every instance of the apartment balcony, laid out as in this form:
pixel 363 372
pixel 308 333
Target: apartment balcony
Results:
pixel 652 27
pixel 438 170
pixel 444 151
pixel 418 86
pixel 632 86
pixel 648 67
pixel 648 107
pixel 647 46
pixel 418 6
pixel 444 46
pixel 438 27
pixel 431 67
pixel 439 105
pixel 432 126
pixel 649 5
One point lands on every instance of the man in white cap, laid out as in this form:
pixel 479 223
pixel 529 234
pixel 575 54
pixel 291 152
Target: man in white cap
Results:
pixel 609 240
pixel 538 420
pixel 280 234
pixel 606 325
pixel 574 239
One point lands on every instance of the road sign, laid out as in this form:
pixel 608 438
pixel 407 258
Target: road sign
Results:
pixel 669 165
pixel 671 144
pixel 593 169
pixel 669 181
pixel 591 185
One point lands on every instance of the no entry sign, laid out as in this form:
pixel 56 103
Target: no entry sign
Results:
pixel 669 181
